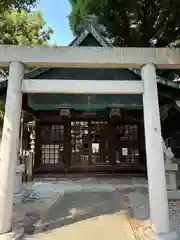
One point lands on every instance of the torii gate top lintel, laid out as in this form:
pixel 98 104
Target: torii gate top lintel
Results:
pixel 89 57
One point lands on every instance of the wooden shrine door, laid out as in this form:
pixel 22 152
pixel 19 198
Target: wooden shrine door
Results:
pixel 88 143
pixel 98 146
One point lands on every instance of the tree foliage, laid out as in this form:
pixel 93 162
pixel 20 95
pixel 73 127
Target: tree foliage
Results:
pixel 26 5
pixel 80 9
pixel 21 27
pixel 133 23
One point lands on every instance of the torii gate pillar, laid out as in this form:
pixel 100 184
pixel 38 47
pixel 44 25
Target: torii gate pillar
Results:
pixel 154 152
pixel 10 144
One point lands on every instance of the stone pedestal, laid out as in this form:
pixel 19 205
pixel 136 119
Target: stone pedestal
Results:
pixel 18 186
pixel 171 169
pixel 18 190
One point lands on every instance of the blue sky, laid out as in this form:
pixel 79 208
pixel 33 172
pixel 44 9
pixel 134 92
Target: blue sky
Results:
pixel 55 13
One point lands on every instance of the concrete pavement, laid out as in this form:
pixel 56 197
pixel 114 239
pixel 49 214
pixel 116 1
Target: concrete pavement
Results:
pixel 84 209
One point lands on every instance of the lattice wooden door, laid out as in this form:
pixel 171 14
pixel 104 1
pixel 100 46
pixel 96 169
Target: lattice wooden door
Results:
pixel 52 144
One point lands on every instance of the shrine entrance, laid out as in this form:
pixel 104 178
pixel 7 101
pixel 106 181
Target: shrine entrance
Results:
pixel 89 141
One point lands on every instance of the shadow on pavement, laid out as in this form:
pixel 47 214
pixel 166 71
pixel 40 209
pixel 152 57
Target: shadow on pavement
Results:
pixel 78 206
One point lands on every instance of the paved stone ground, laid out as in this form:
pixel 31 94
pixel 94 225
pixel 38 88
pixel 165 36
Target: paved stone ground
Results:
pixel 104 227
pixel 91 208
pixel 85 215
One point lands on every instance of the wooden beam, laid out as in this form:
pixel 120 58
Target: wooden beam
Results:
pixel 81 86
pixel 91 57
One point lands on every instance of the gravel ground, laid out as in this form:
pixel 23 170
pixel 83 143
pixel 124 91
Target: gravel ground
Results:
pixel 174 214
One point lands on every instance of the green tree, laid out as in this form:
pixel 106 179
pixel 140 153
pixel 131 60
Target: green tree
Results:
pixel 21 27
pixel 26 5
pixel 133 23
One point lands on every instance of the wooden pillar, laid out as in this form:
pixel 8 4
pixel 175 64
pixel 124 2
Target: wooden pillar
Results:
pixel 102 148
pixel 90 160
pixel 10 144
pixel 141 139
pixel 67 142
pixel 112 145
pixel 154 152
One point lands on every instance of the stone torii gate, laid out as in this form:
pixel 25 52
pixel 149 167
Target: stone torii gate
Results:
pixel 147 59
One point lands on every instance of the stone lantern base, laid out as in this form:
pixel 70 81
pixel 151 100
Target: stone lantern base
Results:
pixel 19 191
